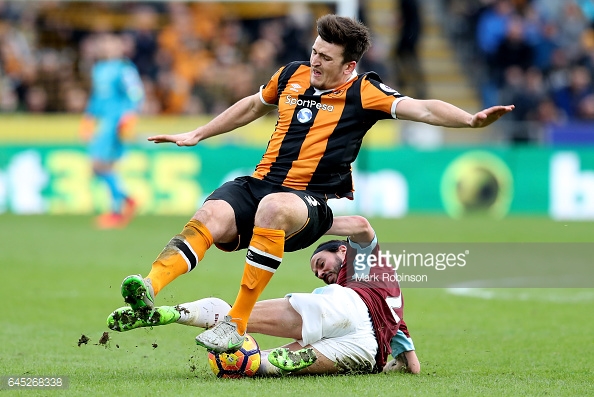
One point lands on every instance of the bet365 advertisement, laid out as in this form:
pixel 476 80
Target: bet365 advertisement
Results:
pixel 167 180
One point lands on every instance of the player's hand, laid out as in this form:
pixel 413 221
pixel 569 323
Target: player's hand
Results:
pixel 394 366
pixel 184 139
pixel 86 128
pixel 489 116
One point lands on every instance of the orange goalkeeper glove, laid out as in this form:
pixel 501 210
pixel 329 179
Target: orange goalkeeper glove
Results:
pixel 86 128
pixel 127 126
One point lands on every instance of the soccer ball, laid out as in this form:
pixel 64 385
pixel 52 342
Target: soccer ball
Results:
pixel 243 362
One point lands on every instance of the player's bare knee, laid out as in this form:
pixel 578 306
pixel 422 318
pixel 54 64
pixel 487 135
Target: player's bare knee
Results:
pixel 281 211
pixel 219 219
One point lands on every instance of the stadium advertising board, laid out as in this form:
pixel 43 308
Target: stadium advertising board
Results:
pixel 389 183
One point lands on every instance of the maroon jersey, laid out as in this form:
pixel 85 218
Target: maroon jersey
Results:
pixel 376 284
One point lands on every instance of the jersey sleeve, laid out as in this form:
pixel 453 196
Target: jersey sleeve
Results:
pixel 380 97
pixel 358 257
pixel 269 93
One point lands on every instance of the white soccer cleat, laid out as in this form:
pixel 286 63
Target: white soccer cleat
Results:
pixel 222 338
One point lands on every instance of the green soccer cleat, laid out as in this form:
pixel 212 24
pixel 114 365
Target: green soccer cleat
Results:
pixel 138 292
pixel 125 318
pixel 290 361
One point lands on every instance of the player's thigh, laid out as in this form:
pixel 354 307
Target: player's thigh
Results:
pixel 105 148
pixel 239 197
pixel 275 317
pixel 105 145
pixel 336 322
pixel 329 312
pixel 318 222
pixel 282 211
pixel 244 195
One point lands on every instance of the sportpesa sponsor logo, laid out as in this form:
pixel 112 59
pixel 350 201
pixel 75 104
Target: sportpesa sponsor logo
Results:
pixel 304 115
pixel 308 103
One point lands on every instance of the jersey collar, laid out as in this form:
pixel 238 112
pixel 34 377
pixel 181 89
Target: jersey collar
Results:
pixel 321 92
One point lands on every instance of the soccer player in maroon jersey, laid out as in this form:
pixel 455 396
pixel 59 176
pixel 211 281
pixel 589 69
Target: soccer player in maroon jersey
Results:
pixel 351 325
pixel 325 109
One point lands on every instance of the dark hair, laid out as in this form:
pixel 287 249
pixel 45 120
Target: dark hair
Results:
pixel 352 35
pixel 330 246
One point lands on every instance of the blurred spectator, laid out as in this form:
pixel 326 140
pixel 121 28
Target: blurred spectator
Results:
pixel 51 67
pixel 75 98
pixel 548 113
pixel 184 58
pixel 9 101
pixel 262 56
pixel 151 104
pixel 36 99
pixel 294 42
pixel 513 50
pixel 571 25
pixel 558 72
pixel 199 57
pixel 409 73
pixel 193 57
pixel 374 60
pixel 17 59
pixel 492 26
pixel 491 30
pixel 545 45
pixel 569 98
pixel 538 54
pixel 586 108
pixel 526 90
pixel 144 38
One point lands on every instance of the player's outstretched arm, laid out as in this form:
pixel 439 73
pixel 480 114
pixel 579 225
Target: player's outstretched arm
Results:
pixel 440 113
pixel 241 113
pixel 357 228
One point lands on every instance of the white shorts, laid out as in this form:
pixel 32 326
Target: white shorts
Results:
pixel 336 322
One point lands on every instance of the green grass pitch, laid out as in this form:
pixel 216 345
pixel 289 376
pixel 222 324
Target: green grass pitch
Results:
pixel 60 280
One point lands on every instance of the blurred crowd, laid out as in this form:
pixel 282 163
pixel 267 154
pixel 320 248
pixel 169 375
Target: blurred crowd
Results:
pixel 193 57
pixel 200 57
pixel 536 54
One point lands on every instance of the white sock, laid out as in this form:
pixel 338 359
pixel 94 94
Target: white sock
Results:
pixel 267 369
pixel 203 313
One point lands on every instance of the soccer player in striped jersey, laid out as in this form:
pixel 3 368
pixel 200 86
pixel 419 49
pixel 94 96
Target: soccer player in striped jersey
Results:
pixel 350 325
pixel 325 109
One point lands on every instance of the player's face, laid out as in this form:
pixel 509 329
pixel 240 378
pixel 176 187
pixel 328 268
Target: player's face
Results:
pixel 328 69
pixel 111 47
pixel 326 265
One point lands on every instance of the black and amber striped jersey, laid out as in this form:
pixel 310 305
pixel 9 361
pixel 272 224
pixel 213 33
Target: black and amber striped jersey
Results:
pixel 318 135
